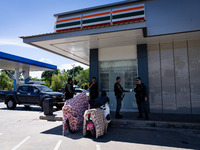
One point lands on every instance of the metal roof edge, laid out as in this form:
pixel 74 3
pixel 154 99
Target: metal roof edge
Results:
pixel 92 31
pixel 27 61
pixel 135 25
pixel 96 7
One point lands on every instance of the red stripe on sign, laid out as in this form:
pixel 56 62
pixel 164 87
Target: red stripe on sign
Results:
pixel 130 20
pixel 127 9
pixel 95 25
pixel 68 29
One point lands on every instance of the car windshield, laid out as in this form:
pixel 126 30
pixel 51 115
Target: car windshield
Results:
pixel 85 91
pixel 44 89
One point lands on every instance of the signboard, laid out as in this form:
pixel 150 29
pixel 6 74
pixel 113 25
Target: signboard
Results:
pixel 107 17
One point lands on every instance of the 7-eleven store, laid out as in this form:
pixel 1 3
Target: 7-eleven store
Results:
pixel 157 40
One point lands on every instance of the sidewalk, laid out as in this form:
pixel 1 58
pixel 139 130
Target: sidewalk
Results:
pixel 155 120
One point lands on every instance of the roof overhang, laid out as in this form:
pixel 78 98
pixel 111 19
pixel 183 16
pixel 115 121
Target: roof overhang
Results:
pixel 12 62
pixel 75 45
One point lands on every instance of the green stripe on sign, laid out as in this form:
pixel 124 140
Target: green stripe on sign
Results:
pixel 96 20
pixel 68 24
pixel 128 15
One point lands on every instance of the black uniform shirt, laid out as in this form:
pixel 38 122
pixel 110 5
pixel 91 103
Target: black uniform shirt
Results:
pixel 118 89
pixel 69 91
pixel 94 90
pixel 141 91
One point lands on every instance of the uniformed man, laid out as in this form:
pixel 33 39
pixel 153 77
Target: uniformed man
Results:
pixel 119 96
pixel 141 97
pixel 94 91
pixel 69 90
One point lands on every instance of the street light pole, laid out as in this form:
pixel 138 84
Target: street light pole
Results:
pixel 73 73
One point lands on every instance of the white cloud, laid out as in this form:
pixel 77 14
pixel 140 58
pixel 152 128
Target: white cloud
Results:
pixel 46 60
pixel 69 66
pixel 36 74
pixel 14 42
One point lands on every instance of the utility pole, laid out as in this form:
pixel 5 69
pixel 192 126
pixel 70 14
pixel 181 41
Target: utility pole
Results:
pixel 73 65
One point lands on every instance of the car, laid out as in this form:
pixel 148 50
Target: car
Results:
pixel 79 91
pixel 31 94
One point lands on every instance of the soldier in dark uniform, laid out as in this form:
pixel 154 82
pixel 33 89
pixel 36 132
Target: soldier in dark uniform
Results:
pixel 69 90
pixel 119 96
pixel 94 91
pixel 141 97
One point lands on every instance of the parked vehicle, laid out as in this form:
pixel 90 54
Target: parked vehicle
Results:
pixel 79 91
pixel 30 94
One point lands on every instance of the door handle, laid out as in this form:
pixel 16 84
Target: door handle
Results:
pixel 18 93
pixel 28 93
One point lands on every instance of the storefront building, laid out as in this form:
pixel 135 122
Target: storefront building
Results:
pixel 157 40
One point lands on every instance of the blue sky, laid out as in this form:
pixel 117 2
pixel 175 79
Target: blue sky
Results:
pixel 31 17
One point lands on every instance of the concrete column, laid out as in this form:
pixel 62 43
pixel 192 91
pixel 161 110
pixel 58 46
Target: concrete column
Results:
pixel 94 64
pixel 16 80
pixel 142 58
pixel 26 75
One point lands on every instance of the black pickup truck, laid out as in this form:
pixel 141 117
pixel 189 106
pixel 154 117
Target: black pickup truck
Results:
pixel 30 94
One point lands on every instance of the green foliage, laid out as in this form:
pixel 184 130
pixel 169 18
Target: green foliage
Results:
pixel 85 86
pixel 5 82
pixel 10 73
pixel 77 70
pixel 58 81
pixel 47 75
pixel 34 79
pixel 82 77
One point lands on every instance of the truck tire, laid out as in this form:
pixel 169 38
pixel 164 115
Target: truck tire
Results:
pixel 27 106
pixel 11 104
pixel 59 106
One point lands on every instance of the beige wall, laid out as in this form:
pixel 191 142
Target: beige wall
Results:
pixel 118 53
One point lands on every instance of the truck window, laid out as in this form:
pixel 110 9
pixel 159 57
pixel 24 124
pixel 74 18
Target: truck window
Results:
pixel 23 88
pixel 30 89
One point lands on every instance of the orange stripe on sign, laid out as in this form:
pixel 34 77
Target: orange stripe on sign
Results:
pixel 95 15
pixel 71 19
pixel 128 9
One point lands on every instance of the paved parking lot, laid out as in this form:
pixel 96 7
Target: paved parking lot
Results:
pixel 21 129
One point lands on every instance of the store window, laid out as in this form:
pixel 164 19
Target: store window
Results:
pixel 127 70
pixel 109 70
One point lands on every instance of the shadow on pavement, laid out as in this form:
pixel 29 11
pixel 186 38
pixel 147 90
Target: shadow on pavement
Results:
pixel 22 108
pixel 139 136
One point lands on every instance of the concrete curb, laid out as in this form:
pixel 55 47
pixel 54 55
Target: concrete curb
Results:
pixel 51 118
pixel 160 124
pixel 138 123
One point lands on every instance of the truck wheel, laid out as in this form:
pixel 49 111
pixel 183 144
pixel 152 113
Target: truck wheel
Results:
pixel 68 127
pixel 11 104
pixel 42 107
pixel 26 106
pixel 59 107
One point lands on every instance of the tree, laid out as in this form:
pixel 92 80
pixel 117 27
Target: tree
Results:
pixel 82 77
pixel 10 73
pixel 58 81
pixel 5 81
pixel 77 70
pixel 47 76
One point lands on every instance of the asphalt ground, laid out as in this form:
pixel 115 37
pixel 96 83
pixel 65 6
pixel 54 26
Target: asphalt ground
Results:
pixel 21 129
